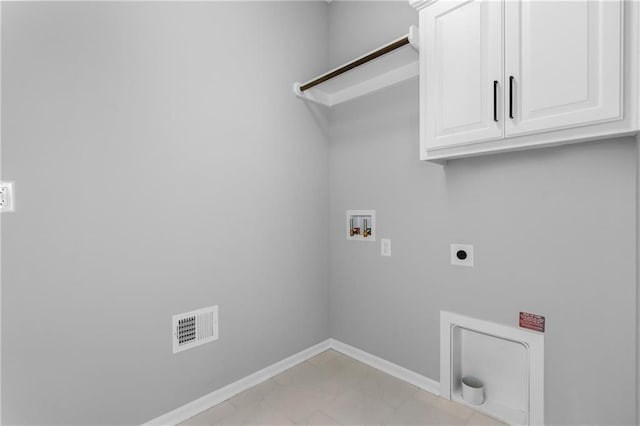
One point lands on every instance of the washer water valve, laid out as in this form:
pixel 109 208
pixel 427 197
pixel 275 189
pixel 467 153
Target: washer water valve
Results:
pixel 361 225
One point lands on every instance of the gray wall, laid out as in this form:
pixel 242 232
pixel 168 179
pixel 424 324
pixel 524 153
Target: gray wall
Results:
pixel 161 165
pixel 553 229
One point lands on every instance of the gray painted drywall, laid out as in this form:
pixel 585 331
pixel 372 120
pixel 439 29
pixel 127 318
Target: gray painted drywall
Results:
pixel 162 164
pixel 638 279
pixel 554 233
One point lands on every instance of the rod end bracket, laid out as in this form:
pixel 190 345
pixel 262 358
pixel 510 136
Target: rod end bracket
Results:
pixel 414 37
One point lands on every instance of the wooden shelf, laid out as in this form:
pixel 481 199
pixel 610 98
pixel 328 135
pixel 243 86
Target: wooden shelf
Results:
pixel 396 66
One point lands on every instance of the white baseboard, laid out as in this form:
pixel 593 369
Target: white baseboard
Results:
pixel 193 408
pixel 388 367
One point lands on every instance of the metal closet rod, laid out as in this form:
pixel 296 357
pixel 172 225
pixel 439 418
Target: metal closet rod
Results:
pixel 360 61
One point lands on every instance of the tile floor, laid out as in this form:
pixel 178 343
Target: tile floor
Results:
pixel 333 389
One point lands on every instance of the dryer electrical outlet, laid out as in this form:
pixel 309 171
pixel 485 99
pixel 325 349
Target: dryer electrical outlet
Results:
pixel 462 254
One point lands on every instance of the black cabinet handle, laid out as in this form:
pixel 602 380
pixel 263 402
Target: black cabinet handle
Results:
pixel 495 100
pixel 511 78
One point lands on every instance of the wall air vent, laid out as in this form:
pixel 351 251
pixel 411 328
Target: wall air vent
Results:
pixel 194 328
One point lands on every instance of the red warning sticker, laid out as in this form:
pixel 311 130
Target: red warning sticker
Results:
pixel 532 321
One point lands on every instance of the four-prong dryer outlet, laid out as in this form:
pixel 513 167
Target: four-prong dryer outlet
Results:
pixel 462 254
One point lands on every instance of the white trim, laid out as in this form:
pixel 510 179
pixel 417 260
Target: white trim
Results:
pixel 388 367
pixel 534 342
pixel 199 405
pixel 420 4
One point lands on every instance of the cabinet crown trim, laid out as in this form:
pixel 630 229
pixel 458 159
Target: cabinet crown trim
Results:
pixel 420 4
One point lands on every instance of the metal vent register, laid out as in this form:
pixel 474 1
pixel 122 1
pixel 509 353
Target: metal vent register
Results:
pixel 195 328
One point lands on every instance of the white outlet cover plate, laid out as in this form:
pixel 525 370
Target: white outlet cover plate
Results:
pixel 7 197
pixel 385 247
pixel 462 262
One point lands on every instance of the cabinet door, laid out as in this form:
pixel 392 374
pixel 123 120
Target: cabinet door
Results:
pixel 563 64
pixel 462 69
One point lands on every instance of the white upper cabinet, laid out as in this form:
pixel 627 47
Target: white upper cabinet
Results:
pixel 464 88
pixel 499 75
pixel 563 64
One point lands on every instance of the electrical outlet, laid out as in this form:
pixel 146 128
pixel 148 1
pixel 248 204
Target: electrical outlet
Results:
pixel 462 254
pixel 385 247
pixel 7 197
